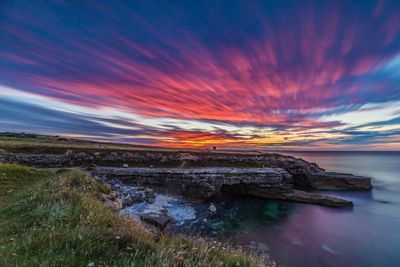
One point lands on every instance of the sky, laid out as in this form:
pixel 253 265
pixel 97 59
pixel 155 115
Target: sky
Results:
pixel 303 75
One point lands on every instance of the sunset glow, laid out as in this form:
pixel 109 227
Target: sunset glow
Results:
pixel 321 75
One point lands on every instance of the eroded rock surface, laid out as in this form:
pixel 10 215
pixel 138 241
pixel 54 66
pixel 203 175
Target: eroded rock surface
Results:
pixel 339 181
pixel 267 175
pixel 305 175
pixel 307 197
pixel 203 183
pixel 200 183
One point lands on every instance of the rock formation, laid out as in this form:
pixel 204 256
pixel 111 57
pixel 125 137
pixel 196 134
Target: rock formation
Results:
pixel 206 174
pixel 338 181
pixel 305 175
pixel 203 183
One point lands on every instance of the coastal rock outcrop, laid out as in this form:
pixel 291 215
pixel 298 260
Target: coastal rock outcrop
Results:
pixel 200 183
pixel 268 175
pixel 338 181
pixel 203 183
pixel 313 198
pixel 305 175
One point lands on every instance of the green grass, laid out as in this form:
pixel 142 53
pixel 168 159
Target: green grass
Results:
pixel 57 219
pixel 45 144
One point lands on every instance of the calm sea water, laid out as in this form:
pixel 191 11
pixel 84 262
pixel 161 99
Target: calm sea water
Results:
pixel 308 235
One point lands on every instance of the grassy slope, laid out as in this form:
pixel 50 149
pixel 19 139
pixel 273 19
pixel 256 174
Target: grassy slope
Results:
pixel 58 220
pixel 19 144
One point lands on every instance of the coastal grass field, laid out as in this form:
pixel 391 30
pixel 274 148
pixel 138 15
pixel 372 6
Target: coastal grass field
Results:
pixel 58 219
pixel 34 143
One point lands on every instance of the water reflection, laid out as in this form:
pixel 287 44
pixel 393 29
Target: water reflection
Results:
pixel 310 235
pixel 244 214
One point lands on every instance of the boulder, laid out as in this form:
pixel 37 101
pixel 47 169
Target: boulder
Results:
pixel 160 220
pixel 150 196
pixel 129 200
pixel 137 197
pixel 212 208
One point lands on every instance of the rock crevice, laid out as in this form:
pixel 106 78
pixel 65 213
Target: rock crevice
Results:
pixel 203 183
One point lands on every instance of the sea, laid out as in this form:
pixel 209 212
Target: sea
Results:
pixel 296 235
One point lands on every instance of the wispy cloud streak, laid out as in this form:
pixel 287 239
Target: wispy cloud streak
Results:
pixel 291 72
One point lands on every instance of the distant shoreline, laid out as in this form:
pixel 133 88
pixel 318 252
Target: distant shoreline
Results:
pixel 30 135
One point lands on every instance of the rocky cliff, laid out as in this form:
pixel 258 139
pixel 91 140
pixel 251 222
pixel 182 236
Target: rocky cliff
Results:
pixel 203 183
pixel 305 175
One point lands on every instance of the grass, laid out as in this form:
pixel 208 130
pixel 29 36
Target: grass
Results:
pixel 57 219
pixel 31 143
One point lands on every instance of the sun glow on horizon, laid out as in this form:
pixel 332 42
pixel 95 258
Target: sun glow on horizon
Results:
pixel 262 76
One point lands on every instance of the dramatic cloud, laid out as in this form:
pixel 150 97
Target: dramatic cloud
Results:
pixel 268 74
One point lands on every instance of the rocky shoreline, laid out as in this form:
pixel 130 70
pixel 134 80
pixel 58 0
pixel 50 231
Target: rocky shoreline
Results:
pixel 204 183
pixel 157 211
pixel 174 190
pixel 204 174
pixel 305 174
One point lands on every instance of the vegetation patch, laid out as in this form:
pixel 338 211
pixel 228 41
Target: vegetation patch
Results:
pixel 57 219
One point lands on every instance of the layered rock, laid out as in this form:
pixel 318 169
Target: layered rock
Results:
pixel 305 175
pixel 313 198
pixel 338 181
pixel 202 183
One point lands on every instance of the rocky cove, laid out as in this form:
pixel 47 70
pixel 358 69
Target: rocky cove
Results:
pixel 165 188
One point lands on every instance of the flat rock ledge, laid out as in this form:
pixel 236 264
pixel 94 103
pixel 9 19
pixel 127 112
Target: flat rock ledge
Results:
pixel 339 181
pixel 313 198
pixel 305 175
pixel 203 183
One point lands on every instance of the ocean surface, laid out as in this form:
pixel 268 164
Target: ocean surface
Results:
pixel 309 235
